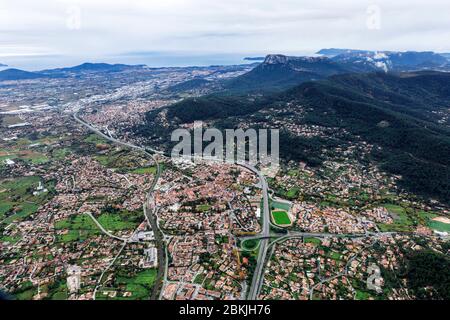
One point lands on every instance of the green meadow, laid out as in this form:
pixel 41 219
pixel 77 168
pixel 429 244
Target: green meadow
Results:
pixel 17 200
pixel 138 284
pixel 402 221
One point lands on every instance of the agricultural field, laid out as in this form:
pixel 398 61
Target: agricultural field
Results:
pixel 10 120
pixel 28 156
pixel 145 170
pixel 128 285
pixel 17 201
pixel 76 228
pixel 126 162
pixel 54 291
pixel 315 241
pixel 122 220
pixel 402 220
pixel 33 149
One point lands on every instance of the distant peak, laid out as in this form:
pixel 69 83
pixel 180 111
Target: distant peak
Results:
pixel 276 59
pixel 282 59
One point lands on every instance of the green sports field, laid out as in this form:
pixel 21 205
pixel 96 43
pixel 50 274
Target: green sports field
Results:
pixel 281 217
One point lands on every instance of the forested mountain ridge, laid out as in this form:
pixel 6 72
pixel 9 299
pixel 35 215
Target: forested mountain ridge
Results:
pixel 405 114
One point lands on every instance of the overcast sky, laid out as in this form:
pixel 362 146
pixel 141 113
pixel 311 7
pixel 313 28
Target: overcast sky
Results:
pixel 98 29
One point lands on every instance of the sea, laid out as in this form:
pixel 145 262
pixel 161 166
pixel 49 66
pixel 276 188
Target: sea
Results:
pixel 151 59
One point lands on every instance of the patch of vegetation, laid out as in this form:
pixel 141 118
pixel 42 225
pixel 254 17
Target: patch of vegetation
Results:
pixel 145 170
pixel 402 220
pixel 95 139
pixel 10 120
pixel 428 275
pixel 116 222
pixel 9 239
pixel 250 244
pixel 292 193
pixel 58 291
pixel 138 284
pixel 315 241
pixel 80 227
pixel 5 207
pixel 199 278
pixel 222 239
pixel 203 207
pixel 61 153
pixel 119 219
pixel 17 201
pixel 439 226
pixel 26 291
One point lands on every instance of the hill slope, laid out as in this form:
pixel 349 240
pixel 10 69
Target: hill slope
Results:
pixel 16 74
pixel 279 72
pixel 406 115
pixel 401 114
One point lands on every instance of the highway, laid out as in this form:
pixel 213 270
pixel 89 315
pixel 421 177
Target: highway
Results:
pixel 298 234
pixel 264 234
pixel 114 140
pixel 150 209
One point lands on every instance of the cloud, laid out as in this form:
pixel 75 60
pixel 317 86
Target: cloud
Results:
pixel 105 27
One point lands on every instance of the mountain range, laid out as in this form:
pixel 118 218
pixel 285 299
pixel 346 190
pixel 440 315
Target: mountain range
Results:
pixel 278 72
pixel 92 68
pixel 85 68
pixel 394 61
pixel 16 74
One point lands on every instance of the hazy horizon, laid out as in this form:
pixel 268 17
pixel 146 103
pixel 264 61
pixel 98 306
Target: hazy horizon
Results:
pixel 150 59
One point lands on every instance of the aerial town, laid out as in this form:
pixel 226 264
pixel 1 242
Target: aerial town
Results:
pixel 89 211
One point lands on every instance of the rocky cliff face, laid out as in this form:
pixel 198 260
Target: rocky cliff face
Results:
pixel 282 59
pixel 276 59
